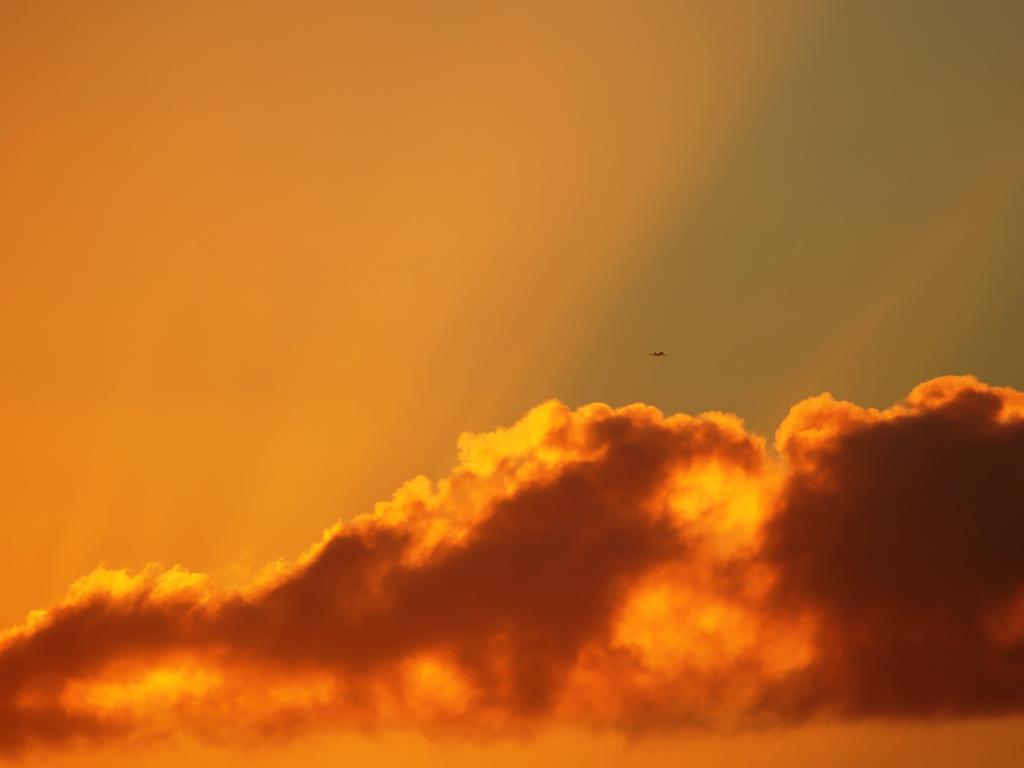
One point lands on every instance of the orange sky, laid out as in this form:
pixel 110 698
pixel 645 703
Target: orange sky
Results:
pixel 262 267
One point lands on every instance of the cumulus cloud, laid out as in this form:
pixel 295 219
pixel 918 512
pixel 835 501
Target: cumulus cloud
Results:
pixel 599 567
pixel 903 531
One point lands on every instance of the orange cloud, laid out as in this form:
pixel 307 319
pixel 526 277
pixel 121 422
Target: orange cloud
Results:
pixel 901 531
pixel 608 567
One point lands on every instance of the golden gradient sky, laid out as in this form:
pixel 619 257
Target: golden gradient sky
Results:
pixel 263 262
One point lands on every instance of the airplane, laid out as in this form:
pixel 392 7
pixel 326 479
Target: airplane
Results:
pixel 658 354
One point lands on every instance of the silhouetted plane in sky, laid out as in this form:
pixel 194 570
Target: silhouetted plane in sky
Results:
pixel 658 354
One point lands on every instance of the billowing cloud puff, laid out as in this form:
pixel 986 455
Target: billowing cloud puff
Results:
pixel 903 532
pixel 600 567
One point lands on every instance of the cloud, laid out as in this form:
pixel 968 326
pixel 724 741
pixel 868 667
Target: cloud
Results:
pixel 902 531
pixel 602 567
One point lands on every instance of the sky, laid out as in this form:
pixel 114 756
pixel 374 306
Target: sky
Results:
pixel 263 266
